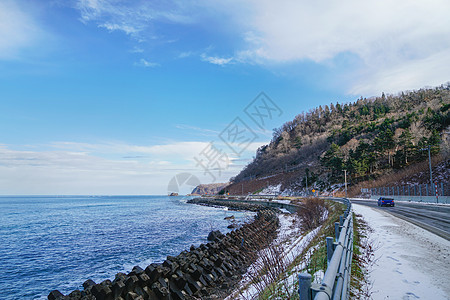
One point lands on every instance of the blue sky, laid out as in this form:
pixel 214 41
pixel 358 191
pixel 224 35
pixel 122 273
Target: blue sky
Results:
pixel 118 97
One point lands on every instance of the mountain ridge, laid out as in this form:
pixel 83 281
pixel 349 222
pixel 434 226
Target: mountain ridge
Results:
pixel 369 138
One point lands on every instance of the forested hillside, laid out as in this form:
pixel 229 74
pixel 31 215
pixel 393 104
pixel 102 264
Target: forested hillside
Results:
pixel 368 138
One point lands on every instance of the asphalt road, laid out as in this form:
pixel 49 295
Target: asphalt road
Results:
pixel 434 218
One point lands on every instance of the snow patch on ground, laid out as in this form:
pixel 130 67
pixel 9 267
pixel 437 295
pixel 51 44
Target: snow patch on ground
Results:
pixel 271 190
pixel 282 201
pixel 411 263
pixel 284 210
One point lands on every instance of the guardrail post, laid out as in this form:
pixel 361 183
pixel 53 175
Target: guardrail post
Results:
pixel 304 286
pixel 341 221
pixel 330 248
pixel 336 230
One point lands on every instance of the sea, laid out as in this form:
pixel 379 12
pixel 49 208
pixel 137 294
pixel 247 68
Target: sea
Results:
pixel 58 242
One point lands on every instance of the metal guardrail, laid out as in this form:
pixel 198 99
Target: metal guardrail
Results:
pixel 440 189
pixel 336 281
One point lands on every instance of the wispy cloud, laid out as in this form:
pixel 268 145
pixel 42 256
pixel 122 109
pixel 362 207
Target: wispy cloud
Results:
pixel 128 29
pixel 216 60
pixel 202 131
pixel 179 150
pixel 186 54
pixel 145 63
pixel 133 18
pixel 18 29
pixel 221 61
pixel 137 50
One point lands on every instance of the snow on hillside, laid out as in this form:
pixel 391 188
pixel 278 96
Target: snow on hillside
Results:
pixel 410 262
pixel 271 190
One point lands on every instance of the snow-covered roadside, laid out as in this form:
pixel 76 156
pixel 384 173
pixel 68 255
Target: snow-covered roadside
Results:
pixel 292 244
pixel 411 263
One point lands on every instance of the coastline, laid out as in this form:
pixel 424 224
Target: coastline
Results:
pixel 237 206
pixel 208 271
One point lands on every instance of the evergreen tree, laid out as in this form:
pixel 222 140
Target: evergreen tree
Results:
pixel 405 140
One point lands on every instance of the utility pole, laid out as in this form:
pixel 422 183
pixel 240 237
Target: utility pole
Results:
pixel 437 194
pixel 345 176
pixel 307 172
pixel 429 163
pixel 307 185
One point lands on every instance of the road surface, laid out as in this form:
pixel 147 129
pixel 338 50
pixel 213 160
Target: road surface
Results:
pixel 434 218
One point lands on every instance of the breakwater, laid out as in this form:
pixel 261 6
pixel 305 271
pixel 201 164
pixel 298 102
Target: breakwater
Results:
pixel 250 205
pixel 208 271
pixel 230 204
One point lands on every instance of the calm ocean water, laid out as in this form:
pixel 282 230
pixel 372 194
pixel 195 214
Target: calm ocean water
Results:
pixel 51 243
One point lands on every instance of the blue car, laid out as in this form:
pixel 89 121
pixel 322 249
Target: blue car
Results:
pixel 382 201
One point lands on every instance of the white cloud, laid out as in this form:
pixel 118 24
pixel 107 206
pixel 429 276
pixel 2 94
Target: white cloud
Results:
pixel 216 60
pixel 133 18
pixel 388 36
pixel 145 63
pixel 411 75
pixel 180 150
pixel 83 168
pixel 294 30
pixel 185 54
pixel 120 27
pixel 201 131
pixel 137 50
pixel 175 151
pixel 18 30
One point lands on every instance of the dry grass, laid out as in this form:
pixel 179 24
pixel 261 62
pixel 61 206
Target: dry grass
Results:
pixel 312 214
pixel 269 274
pixel 363 260
pixel 267 270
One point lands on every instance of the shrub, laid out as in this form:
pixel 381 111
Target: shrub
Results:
pixel 312 214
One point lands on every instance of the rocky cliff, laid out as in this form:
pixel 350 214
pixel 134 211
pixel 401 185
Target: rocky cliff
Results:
pixel 210 189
